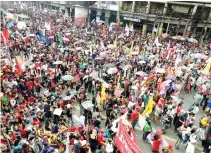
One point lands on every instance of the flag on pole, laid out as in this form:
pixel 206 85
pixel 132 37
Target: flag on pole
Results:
pixel 156 40
pixel 207 68
pixel 104 31
pixel 103 94
pixel 19 70
pixel 60 39
pixel 5 35
pixel 131 28
pixel 127 30
pixel 131 48
pixel 115 43
pixel 148 109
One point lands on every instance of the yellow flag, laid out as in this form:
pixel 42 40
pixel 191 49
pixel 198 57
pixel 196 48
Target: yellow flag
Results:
pixel 207 68
pixel 118 82
pixel 131 49
pixel 149 107
pixel 115 43
pixel 103 94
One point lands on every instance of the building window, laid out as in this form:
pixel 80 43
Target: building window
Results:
pixel 156 8
pixel 140 7
pixel 127 6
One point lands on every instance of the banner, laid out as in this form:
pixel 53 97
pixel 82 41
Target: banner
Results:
pixel 126 143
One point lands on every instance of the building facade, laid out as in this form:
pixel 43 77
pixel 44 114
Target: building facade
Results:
pixel 174 18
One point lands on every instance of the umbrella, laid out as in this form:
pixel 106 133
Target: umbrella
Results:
pixel 170 77
pixel 67 34
pixel 51 37
pixel 67 77
pixel 89 33
pixel 134 53
pixel 126 67
pixel 110 46
pixel 100 21
pixel 112 70
pixel 159 70
pixel 5 100
pixel 67 98
pixel 58 62
pixel 79 48
pixel 103 54
pixel 10 24
pixel 199 55
pixel 149 47
pixel 192 40
pixel 141 62
pixel 109 65
pixel 141 73
pixel 87 104
pixel 65 39
pixel 99 79
pixel 32 35
pixel 98 58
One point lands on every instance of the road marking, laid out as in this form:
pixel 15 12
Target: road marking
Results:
pixel 171 139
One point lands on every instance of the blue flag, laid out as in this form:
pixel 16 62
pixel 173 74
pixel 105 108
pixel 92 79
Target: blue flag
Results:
pixel 43 39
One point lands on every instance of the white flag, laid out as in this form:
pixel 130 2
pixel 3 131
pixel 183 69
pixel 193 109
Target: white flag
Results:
pixel 127 30
pixel 156 40
pixel 131 28
pixel 47 26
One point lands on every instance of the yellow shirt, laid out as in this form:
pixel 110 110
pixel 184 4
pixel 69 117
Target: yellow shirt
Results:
pixel 52 139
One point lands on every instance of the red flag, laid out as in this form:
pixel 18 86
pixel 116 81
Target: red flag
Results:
pixel 5 34
pixel 104 31
pixel 19 70
pixel 126 143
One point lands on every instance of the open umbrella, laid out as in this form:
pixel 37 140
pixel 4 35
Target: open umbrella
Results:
pixel 103 54
pixel 87 104
pixel 99 79
pixel 79 48
pixel 110 46
pixel 141 73
pixel 58 62
pixel 141 62
pixel 109 65
pixel 32 35
pixel 65 39
pixel 89 33
pixel 112 70
pixel 134 53
pixel 67 98
pixel 165 35
pixel 51 37
pixel 68 34
pixel 67 77
pixel 192 40
pixel 159 70
pixel 98 58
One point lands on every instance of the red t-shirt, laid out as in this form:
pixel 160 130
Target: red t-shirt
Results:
pixel 178 110
pixel 23 131
pixel 30 85
pixel 19 116
pixel 36 122
pixel 31 99
pixel 134 115
pixel 21 107
pixel 62 103
pixel 100 138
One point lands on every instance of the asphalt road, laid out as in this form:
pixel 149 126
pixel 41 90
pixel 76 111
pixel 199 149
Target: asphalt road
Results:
pixel 170 136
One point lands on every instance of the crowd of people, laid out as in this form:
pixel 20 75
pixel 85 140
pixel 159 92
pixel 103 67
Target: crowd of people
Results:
pixel 60 87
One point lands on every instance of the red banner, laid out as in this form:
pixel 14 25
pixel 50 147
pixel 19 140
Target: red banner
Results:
pixel 126 143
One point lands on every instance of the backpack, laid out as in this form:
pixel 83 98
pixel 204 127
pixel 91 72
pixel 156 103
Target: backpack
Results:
pixel 106 134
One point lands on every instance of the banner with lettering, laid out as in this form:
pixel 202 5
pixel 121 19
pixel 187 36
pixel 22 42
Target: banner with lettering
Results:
pixel 126 143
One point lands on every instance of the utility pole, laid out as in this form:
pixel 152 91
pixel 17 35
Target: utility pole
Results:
pixel 88 14
pixel 169 22
pixel 118 13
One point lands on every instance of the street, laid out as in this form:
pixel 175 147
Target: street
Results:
pixel 170 136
